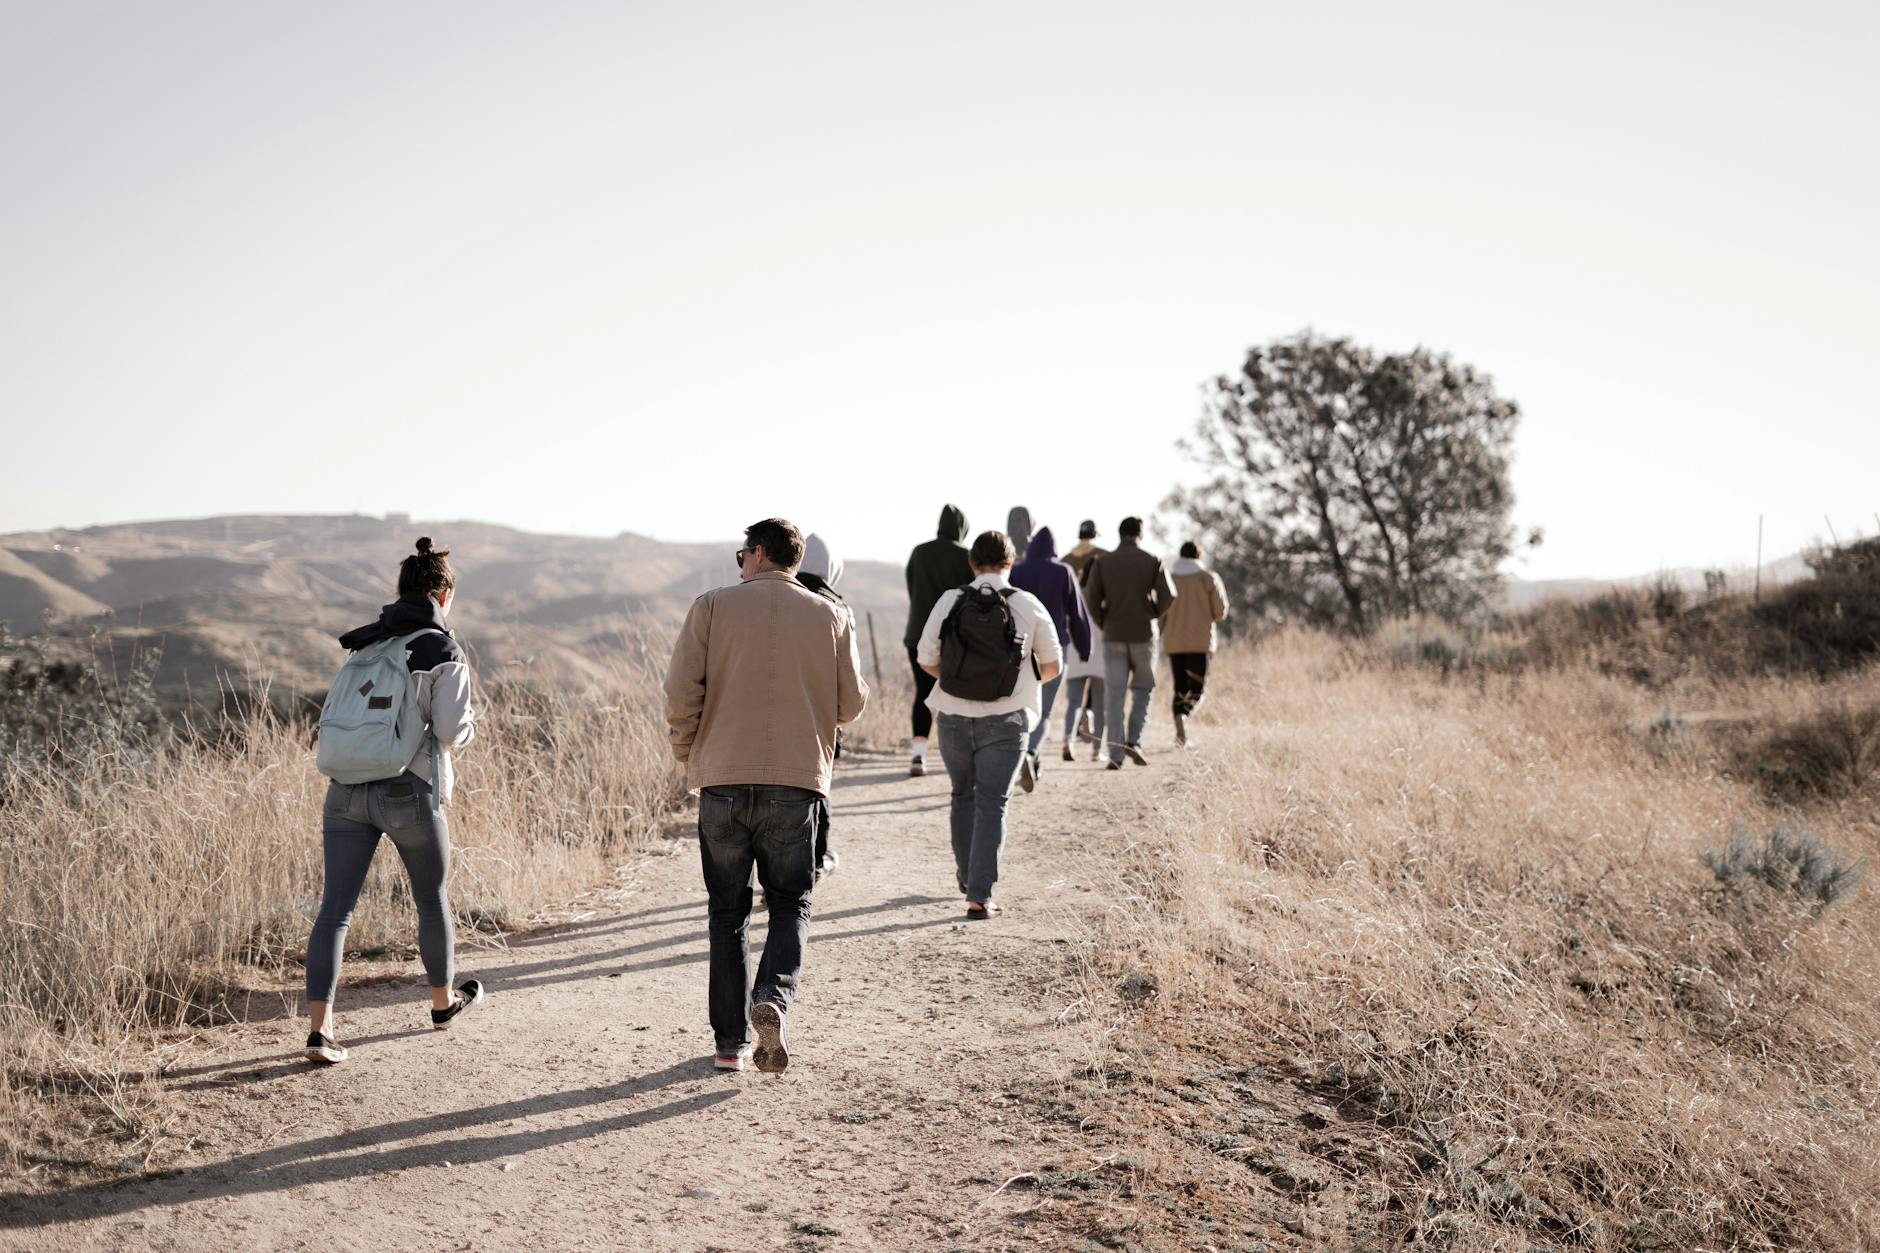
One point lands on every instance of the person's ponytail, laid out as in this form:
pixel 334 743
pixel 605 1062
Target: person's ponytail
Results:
pixel 427 571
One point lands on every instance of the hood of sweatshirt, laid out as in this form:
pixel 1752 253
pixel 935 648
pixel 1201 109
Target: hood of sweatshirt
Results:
pixel 402 617
pixel 1018 525
pixel 952 524
pixel 1043 546
pixel 821 560
pixel 1186 565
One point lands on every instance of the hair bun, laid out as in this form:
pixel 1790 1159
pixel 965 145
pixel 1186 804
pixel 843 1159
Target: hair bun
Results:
pixel 424 545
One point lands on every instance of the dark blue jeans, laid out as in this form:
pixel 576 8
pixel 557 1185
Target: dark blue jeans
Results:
pixel 353 818
pixel 982 756
pixel 774 829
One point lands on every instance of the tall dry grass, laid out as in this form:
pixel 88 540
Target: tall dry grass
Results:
pixel 135 899
pixel 1475 909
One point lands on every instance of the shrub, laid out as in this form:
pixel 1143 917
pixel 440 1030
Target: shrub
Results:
pixel 61 713
pixel 1830 753
pixel 1795 862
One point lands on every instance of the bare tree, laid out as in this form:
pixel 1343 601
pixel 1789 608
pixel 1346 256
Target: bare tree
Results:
pixel 1348 486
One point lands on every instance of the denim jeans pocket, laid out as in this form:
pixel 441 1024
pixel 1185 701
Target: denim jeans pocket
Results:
pixel 400 812
pixel 790 822
pixel 717 812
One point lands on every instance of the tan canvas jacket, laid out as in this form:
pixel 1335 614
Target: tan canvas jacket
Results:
pixel 1200 602
pixel 762 673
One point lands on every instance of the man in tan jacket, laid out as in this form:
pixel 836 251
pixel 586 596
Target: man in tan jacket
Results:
pixel 762 673
pixel 1188 632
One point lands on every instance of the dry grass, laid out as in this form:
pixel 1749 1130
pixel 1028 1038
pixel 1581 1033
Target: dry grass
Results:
pixel 1471 914
pixel 138 900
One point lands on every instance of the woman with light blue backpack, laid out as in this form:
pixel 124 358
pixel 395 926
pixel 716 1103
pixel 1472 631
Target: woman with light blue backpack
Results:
pixel 398 710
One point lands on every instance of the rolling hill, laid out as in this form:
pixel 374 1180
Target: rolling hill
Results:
pixel 239 603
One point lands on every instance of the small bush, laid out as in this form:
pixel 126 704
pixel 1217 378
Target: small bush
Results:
pixel 1796 862
pixel 1833 752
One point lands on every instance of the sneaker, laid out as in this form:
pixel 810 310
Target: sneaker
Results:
pixel 982 910
pixel 1027 772
pixel 1068 754
pixel 1135 754
pixel 1181 730
pixel 740 1060
pixel 772 1053
pixel 469 996
pixel 322 1049
pixel 918 768
pixel 1115 765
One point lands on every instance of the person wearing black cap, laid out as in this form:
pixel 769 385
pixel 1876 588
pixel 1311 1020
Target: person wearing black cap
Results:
pixel 1086 552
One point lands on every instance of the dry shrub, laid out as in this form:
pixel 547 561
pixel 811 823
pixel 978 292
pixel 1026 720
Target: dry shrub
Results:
pixel 135 897
pixel 885 724
pixel 1477 913
pixel 1828 753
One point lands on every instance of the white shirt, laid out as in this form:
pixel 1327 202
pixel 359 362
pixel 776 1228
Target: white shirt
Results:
pixel 1037 635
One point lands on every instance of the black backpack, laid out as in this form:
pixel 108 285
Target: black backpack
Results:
pixel 981 654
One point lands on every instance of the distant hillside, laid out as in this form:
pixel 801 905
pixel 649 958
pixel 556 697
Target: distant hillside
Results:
pixel 238 602
pixel 1521 594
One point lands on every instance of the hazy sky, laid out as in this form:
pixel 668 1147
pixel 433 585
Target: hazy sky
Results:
pixel 669 269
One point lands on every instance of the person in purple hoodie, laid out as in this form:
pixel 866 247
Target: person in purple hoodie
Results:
pixel 1054 583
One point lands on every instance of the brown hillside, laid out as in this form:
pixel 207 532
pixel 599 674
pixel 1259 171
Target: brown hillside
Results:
pixel 28 593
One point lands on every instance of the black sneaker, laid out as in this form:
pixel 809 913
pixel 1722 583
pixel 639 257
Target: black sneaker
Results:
pixel 322 1049
pixel 469 996
pixel 1027 773
pixel 1115 765
pixel 1135 754
pixel 772 1053
pixel 1068 754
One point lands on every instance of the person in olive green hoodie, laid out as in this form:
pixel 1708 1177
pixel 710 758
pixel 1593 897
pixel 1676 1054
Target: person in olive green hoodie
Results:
pixel 933 569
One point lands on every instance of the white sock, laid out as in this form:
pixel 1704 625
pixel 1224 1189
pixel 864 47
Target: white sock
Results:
pixel 920 750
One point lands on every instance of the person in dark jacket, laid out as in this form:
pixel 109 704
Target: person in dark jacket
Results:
pixel 1128 590
pixel 933 569
pixel 1055 585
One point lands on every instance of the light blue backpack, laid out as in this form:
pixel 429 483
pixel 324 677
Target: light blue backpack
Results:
pixel 371 726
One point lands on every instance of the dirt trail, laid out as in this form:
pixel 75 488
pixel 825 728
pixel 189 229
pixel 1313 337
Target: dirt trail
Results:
pixel 577 1109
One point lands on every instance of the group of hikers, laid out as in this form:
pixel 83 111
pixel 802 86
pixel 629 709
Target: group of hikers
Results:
pixel 763 675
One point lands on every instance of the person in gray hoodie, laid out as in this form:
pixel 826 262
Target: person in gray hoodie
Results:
pixel 933 569
pixel 820 572
pixel 1018 530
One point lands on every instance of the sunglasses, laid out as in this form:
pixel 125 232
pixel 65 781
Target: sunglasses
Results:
pixel 741 554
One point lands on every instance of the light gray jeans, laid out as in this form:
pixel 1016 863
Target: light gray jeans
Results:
pixel 1129 674
pixel 982 756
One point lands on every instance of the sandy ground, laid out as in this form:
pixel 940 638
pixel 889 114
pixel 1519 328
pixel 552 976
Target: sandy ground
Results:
pixel 577 1108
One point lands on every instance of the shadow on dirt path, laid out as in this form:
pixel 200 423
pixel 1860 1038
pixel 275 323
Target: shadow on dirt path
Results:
pixel 578 1107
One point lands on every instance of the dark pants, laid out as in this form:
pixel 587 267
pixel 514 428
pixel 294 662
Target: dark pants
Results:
pixel 353 818
pixel 982 756
pixel 1191 676
pixel 923 688
pixel 773 828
